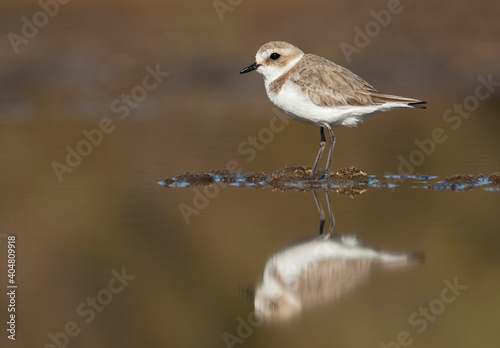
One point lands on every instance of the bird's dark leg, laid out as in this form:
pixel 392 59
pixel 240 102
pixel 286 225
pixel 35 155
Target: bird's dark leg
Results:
pixel 322 145
pixel 321 213
pixel 332 145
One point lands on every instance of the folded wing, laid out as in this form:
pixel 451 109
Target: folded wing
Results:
pixel 330 85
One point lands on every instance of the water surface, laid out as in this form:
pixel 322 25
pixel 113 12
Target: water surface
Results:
pixel 176 267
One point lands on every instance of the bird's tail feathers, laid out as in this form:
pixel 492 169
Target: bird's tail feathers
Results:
pixel 387 98
pixel 403 259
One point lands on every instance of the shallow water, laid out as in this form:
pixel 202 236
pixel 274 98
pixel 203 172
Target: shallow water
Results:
pixel 195 252
pixel 107 257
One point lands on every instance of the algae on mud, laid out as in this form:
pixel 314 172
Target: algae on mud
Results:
pixel 466 182
pixel 346 181
pixel 349 181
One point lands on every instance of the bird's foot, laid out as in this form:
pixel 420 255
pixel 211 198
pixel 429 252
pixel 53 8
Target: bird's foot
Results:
pixel 318 175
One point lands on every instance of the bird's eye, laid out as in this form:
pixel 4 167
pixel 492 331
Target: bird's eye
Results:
pixel 274 56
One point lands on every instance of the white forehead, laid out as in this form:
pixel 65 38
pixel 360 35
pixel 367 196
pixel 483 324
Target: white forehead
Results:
pixel 263 55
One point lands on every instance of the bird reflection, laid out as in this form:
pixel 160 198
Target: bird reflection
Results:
pixel 317 270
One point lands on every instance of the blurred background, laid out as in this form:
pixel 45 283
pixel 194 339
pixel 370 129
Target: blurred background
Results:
pixel 66 70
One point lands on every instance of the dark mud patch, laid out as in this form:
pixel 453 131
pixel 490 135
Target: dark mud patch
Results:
pixel 350 181
pixel 463 182
pixel 209 177
pixel 494 179
pixel 347 181
pixel 349 175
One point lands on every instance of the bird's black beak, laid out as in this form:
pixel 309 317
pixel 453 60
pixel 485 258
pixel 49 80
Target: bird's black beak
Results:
pixel 249 68
pixel 247 292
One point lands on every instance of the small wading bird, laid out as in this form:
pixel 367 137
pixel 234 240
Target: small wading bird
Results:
pixel 313 90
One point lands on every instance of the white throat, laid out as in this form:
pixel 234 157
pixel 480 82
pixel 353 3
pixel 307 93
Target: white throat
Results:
pixel 272 73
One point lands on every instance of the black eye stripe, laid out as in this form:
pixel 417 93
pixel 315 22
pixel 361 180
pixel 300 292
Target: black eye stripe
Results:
pixel 274 56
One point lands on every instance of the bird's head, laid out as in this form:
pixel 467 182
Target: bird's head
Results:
pixel 274 59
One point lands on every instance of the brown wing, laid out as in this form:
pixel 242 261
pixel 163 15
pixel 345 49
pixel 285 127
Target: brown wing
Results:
pixel 328 280
pixel 328 84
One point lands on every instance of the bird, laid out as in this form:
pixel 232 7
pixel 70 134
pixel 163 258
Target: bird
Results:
pixel 317 270
pixel 316 91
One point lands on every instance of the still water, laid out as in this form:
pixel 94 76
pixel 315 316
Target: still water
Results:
pixel 107 257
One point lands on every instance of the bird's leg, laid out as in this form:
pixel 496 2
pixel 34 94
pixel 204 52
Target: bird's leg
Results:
pixel 332 145
pixel 322 145
pixel 331 226
pixel 321 213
